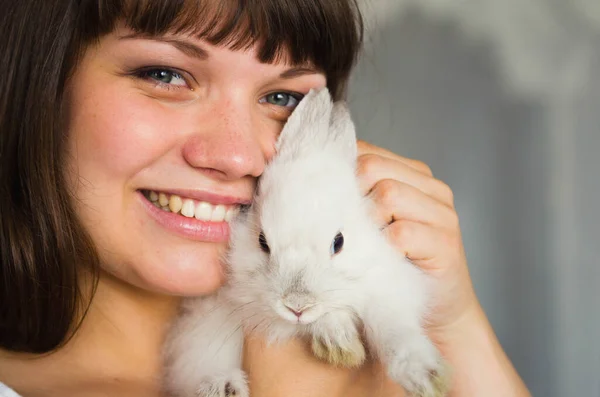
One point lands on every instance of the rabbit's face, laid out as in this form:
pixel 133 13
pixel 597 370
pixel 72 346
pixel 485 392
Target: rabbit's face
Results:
pixel 297 254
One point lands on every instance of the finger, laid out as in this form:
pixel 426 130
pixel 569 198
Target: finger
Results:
pixel 372 168
pixel 367 148
pixel 419 242
pixel 396 201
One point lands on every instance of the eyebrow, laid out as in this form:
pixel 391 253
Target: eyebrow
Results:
pixel 297 71
pixel 189 49
pixel 198 52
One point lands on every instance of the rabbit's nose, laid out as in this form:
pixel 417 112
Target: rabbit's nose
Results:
pixel 297 313
pixel 298 310
pixel 297 303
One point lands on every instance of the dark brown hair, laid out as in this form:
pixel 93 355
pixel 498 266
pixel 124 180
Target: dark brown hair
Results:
pixel 44 248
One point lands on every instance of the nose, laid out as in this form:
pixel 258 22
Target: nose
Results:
pixel 228 142
pixel 298 304
pixel 296 311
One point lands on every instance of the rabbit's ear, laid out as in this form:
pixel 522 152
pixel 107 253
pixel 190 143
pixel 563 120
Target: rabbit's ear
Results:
pixel 308 125
pixel 342 133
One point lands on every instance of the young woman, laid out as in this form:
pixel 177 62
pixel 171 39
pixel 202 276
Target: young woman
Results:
pixel 105 103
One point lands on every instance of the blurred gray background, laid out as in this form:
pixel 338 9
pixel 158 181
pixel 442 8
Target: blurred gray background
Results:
pixel 502 99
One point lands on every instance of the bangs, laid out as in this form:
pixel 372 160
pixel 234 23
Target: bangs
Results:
pixel 324 33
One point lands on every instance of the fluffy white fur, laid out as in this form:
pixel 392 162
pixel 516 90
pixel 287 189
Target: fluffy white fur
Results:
pixel 306 196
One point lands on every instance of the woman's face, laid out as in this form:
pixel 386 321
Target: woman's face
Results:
pixel 171 122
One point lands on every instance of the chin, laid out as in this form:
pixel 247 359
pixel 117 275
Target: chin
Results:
pixel 203 284
pixel 182 275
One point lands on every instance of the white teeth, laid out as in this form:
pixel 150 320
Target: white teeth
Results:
pixel 188 208
pixel 218 214
pixel 204 211
pixel 229 215
pixel 163 200
pixel 175 203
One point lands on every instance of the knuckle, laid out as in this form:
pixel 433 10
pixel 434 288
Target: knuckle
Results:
pixel 423 167
pixel 387 191
pixel 367 164
pixel 362 144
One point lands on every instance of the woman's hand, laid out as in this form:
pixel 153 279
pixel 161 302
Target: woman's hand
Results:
pixel 291 370
pixel 419 217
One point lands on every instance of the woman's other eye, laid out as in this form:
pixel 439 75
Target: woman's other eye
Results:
pixel 283 99
pixel 163 77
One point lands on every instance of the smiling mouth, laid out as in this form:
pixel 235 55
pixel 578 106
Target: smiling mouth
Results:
pixel 191 208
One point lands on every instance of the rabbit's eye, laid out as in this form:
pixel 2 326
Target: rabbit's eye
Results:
pixel 337 244
pixel 262 240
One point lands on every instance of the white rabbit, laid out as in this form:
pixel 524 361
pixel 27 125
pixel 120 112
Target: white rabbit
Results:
pixel 307 260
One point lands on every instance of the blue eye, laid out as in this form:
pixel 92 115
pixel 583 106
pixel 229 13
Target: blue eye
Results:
pixel 337 244
pixel 163 76
pixel 284 99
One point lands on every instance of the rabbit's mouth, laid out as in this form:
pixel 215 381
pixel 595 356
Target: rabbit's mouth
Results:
pixel 305 313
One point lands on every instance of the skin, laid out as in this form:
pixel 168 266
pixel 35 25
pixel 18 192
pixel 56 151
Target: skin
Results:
pixel 214 133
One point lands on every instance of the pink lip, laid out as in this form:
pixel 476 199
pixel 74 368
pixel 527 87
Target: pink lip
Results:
pixel 205 196
pixel 191 228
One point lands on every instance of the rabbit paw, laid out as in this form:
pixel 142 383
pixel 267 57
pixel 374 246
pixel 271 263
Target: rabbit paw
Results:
pixel 419 368
pixel 348 354
pixel 232 384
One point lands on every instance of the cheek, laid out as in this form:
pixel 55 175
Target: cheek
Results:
pixel 111 135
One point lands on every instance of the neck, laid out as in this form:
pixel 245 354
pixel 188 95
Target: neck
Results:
pixel 118 343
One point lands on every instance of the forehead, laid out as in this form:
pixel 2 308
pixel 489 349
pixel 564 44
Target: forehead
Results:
pixel 261 25
pixel 311 196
